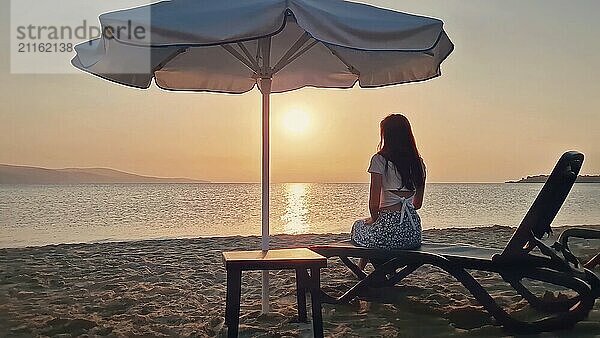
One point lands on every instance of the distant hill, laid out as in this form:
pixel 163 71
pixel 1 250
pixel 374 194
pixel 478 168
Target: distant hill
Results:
pixel 544 178
pixel 12 174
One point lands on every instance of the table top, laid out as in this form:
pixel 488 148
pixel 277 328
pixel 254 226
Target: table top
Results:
pixel 273 259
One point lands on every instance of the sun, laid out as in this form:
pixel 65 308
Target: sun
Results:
pixel 296 121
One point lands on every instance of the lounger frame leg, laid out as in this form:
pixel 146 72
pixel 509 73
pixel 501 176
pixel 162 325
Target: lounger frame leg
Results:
pixel 536 302
pixel 360 274
pixel 372 279
pixel 400 275
pixel 592 263
pixel 563 240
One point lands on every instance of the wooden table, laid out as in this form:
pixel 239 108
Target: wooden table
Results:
pixel 301 260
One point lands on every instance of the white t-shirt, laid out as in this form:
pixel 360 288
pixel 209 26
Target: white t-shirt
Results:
pixel 391 180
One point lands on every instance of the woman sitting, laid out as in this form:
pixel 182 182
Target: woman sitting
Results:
pixel 396 192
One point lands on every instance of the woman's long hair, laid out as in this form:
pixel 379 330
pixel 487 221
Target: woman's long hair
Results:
pixel 398 146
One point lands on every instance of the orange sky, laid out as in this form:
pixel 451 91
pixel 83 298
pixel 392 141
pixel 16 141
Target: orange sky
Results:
pixel 521 88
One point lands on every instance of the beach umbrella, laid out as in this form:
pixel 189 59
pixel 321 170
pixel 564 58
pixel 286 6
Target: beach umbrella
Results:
pixel 231 46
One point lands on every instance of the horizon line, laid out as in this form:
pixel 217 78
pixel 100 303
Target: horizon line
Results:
pixel 209 181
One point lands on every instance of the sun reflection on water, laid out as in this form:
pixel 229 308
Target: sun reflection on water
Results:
pixel 295 219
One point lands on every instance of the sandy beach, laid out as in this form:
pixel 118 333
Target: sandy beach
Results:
pixel 177 288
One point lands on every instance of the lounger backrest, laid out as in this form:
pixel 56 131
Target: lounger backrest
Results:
pixel 538 219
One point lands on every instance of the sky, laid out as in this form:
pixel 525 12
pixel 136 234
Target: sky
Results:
pixel 521 87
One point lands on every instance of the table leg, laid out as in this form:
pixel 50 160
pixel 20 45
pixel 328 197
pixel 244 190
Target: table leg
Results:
pixel 227 300
pixel 315 297
pixel 301 294
pixel 232 305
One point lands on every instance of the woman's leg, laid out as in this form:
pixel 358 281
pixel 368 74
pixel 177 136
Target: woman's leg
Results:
pixel 360 236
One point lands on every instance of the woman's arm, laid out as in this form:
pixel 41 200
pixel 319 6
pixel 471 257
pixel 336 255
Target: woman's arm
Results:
pixel 375 195
pixel 418 199
pixel 420 191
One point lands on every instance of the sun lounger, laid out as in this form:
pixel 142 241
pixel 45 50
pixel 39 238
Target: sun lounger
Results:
pixel 524 257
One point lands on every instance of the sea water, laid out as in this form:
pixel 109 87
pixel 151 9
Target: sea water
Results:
pixel 52 214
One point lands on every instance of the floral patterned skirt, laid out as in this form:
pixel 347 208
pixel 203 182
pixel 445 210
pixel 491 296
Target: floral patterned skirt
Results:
pixel 390 231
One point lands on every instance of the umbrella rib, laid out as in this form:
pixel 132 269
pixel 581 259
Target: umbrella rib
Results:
pixel 248 55
pixel 297 55
pixel 284 61
pixel 240 57
pixel 350 67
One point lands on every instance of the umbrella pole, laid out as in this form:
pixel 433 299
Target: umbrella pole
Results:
pixel 265 88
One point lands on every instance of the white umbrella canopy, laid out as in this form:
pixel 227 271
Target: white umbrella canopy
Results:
pixel 230 46
pixel 183 45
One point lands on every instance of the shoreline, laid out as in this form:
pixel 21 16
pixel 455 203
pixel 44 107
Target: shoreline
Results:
pixel 556 230
pixel 176 287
